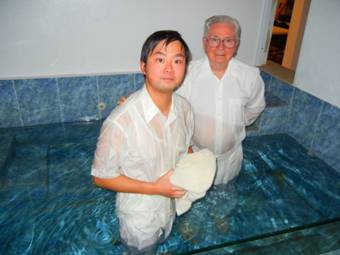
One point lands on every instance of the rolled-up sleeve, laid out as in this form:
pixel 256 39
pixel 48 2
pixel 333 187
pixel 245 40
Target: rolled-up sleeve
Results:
pixel 108 156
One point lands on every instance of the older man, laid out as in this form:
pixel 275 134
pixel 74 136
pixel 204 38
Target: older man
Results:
pixel 226 96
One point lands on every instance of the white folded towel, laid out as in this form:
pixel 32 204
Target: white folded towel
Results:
pixel 195 172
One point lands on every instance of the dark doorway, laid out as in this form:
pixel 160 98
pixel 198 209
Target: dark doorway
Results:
pixel 280 30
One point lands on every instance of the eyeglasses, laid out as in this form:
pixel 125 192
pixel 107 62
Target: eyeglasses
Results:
pixel 215 42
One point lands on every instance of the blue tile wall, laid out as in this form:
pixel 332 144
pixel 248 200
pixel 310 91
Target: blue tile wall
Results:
pixel 315 124
pixel 9 108
pixel 282 90
pixel 304 117
pixel 139 80
pixel 272 117
pixel 267 80
pixel 78 98
pixel 38 101
pixel 111 88
pixel 326 142
pixel 279 96
pixel 31 102
pixel 312 122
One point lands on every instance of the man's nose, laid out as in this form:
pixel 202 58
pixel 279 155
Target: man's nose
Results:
pixel 168 66
pixel 221 45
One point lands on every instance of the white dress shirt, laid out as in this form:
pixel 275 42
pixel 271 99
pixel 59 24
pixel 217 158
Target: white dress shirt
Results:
pixel 223 108
pixel 138 141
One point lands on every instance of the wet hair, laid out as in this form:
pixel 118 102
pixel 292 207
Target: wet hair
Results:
pixel 168 36
pixel 223 19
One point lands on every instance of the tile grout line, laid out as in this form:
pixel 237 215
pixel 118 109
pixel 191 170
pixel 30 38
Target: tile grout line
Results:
pixel 59 101
pixel 18 105
pixel 98 99
pixel 310 150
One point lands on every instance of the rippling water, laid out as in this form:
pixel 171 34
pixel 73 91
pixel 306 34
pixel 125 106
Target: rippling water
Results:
pixel 284 200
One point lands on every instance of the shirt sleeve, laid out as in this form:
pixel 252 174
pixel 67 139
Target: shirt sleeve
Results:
pixel 109 152
pixel 256 102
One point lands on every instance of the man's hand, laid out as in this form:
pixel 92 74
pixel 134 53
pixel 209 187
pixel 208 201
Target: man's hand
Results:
pixel 121 100
pixel 190 150
pixel 165 188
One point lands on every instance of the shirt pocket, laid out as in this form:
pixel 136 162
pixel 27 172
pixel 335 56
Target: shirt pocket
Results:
pixel 236 112
pixel 147 148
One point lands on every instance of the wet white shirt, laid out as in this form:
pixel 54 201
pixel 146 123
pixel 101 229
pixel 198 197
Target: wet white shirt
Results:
pixel 223 108
pixel 138 141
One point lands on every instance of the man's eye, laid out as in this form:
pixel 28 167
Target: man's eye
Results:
pixel 159 60
pixel 179 61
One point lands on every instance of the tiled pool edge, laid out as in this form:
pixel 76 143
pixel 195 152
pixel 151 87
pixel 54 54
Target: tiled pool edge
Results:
pixel 30 102
pixel 312 122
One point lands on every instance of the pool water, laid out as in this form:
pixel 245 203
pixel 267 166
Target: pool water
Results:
pixel 285 201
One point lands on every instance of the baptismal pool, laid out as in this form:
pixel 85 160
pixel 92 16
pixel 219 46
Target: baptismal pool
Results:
pixel 285 201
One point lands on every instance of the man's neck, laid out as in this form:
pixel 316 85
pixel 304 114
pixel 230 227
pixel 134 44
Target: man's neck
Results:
pixel 162 100
pixel 219 70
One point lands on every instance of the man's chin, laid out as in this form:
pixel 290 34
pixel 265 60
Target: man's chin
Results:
pixel 170 86
pixel 221 61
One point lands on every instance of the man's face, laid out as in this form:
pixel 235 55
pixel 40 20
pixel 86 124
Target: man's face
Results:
pixel 165 67
pixel 220 44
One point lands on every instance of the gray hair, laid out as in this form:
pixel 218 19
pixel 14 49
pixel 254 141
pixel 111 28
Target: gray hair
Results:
pixel 223 19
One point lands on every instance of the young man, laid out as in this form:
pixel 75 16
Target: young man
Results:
pixel 141 141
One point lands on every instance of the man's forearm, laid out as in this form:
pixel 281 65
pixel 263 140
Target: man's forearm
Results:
pixel 125 184
pixel 161 186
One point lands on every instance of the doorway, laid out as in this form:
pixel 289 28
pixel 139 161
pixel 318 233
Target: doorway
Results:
pixel 287 33
pixel 280 30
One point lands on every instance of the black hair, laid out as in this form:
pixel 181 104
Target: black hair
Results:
pixel 168 36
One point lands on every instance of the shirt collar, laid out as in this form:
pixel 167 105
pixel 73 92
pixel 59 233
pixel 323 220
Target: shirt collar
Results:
pixel 151 110
pixel 173 110
pixel 208 68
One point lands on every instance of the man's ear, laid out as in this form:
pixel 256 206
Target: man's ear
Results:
pixel 142 67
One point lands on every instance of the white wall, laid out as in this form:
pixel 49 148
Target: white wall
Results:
pixel 74 37
pixel 318 69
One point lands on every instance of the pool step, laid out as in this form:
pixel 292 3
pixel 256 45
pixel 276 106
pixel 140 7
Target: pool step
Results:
pixel 69 166
pixel 335 252
pixel 28 169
